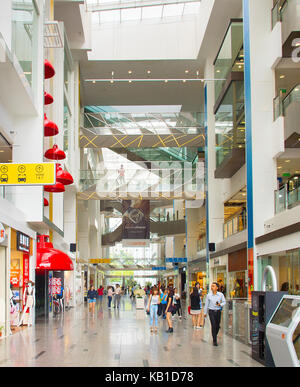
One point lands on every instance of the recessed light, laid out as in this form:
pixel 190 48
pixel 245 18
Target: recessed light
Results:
pixel 129 72
pixel 282 76
pixel 186 71
pixel 166 80
pixel 184 80
pixel 218 71
pixel 111 81
pixel 130 80
pixel 148 72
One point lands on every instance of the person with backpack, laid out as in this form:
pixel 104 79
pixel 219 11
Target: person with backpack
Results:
pixel 163 301
pixel 215 301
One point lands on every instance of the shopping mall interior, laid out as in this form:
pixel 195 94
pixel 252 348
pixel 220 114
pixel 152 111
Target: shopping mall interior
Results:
pixel 149 183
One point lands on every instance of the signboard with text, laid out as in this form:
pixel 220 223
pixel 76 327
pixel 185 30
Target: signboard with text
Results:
pixel 27 174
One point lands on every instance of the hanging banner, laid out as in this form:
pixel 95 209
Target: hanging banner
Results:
pixel 136 219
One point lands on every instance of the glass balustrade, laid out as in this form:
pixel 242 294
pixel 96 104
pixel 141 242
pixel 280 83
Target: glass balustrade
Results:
pixel 142 180
pixel 285 199
pixel 236 224
pixel 24 35
pixel 201 243
pixel 230 56
pixel 278 11
pixel 280 104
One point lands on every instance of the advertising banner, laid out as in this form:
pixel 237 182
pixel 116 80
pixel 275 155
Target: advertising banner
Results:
pixel 136 219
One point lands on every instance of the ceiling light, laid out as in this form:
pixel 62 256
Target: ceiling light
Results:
pixel 111 81
pixel 186 71
pixel 218 71
pixel 94 81
pixel 184 80
pixel 129 72
pixel 282 76
pixel 279 167
pixel 287 161
pixel 148 72
pixel 130 81
pixel 166 80
pixel 1 151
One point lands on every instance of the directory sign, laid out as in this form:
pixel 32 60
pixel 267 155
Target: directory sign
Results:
pixel 27 174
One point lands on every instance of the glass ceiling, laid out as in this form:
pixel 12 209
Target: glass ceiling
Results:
pixel 118 11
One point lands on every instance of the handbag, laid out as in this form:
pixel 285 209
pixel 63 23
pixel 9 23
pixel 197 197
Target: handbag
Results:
pixel 189 310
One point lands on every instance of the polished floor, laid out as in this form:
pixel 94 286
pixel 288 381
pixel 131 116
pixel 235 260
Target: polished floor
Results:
pixel 119 338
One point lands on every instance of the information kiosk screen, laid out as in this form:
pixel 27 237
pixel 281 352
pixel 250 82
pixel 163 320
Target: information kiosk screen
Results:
pixel 284 314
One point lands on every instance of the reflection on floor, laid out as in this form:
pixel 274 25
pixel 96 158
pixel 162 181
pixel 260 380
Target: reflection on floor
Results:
pixel 119 338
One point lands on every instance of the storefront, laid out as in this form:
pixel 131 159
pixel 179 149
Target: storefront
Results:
pixel 218 267
pixel 4 282
pixel 237 274
pixel 287 268
pixel 51 281
pixel 197 273
pixel 21 250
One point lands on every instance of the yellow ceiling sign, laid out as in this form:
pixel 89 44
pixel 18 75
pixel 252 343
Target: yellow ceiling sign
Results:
pixel 27 174
pixel 101 260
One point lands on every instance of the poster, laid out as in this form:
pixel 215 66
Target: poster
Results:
pixel 136 219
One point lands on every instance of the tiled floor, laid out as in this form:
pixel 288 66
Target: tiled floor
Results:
pixel 119 338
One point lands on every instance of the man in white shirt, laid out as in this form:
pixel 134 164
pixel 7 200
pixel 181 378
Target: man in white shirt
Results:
pixel 214 304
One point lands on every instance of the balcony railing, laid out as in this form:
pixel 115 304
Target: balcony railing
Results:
pixel 277 11
pixel 236 224
pixel 281 104
pixel 285 199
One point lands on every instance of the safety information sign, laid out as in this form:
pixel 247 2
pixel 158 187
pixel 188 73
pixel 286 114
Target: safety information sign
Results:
pixel 27 174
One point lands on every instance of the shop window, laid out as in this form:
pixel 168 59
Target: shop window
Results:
pixel 237 284
pixel 287 269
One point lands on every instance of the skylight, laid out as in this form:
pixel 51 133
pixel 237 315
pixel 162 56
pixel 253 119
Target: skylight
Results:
pixel 112 11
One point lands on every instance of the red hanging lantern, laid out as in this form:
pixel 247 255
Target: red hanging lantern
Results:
pixel 46 203
pixel 50 128
pixel 48 258
pixel 49 69
pixel 63 176
pixel 58 187
pixel 55 153
pixel 48 99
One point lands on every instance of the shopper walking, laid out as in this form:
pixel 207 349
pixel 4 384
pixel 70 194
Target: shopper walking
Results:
pixel 163 300
pixel 109 296
pixel 100 293
pixel 92 297
pixel 215 301
pixel 195 307
pixel 152 307
pixel 177 304
pixel 117 298
pixel 169 309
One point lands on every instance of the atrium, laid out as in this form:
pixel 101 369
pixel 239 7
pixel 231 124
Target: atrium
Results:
pixel 149 184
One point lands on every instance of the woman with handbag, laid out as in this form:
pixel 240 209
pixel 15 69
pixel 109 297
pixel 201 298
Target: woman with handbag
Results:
pixel 195 310
pixel 152 308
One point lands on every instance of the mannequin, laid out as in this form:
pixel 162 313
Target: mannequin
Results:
pixel 28 297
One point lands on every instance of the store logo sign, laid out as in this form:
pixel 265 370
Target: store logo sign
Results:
pixel 2 233
pixel 296 51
